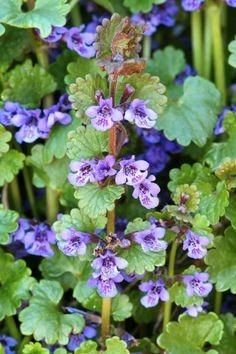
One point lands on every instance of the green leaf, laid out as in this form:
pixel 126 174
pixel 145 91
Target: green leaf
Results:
pixel 80 221
pixel 12 45
pixel 228 342
pixel 86 143
pixel 53 175
pixel 28 84
pixel 232 50
pixel 139 261
pixel 141 314
pixel 106 4
pixel 179 295
pixel 15 284
pixel 213 195
pixel 5 137
pixel 80 68
pixel 222 261
pixel 166 64
pixel 121 307
pixel 189 334
pixel 137 225
pixel 230 212
pixel 96 201
pixel 141 6
pixel 8 224
pixel 10 165
pixel 55 146
pixel 113 346
pixel 43 16
pixel 219 152
pixel 146 87
pixel 193 116
pixel 58 69
pixel 35 348
pixel 145 345
pixel 43 318
pixel 82 92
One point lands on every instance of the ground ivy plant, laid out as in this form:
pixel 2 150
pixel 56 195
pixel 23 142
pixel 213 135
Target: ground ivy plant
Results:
pixel 118 177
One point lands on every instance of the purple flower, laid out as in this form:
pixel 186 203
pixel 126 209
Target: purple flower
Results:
pixel 191 5
pixel 195 245
pixel 104 115
pixel 81 173
pixel 231 3
pixel 104 168
pixel 80 42
pixel 75 340
pixel 219 129
pixel 149 239
pixel 197 284
pixel 56 34
pixel 24 225
pixel 157 158
pixel 9 110
pixel 8 343
pixel 183 75
pixel 147 192
pixel 194 310
pixel 108 265
pixel 54 115
pixel 106 287
pixel 38 241
pixel 142 116
pixel 73 242
pixel 149 136
pixel 132 172
pixel 155 290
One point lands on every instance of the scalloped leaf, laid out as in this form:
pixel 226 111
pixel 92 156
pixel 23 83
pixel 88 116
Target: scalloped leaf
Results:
pixel 43 318
pixel 95 201
pixel 113 346
pixel 232 50
pixel 82 92
pixel 28 84
pixel 5 137
pixel 139 261
pixel 8 224
pixel 35 348
pixel 193 117
pixel 137 225
pixel 10 165
pixel 141 6
pixel 16 284
pixel 12 45
pixel 221 261
pixel 43 16
pixel 228 341
pixel 146 87
pixel 189 335
pixel 166 64
pixel 58 68
pixel 86 142
pixel 230 212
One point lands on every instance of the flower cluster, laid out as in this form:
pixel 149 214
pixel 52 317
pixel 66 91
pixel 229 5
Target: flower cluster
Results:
pixel 195 244
pixel 104 115
pixel 127 171
pixel 155 291
pixel 157 149
pixel 37 238
pixel 107 273
pixel 75 38
pixel 33 124
pixel 164 14
pixel 194 5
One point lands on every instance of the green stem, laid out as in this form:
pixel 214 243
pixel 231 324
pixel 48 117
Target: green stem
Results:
pixel 29 191
pixel 196 34
pixel 171 272
pixel 76 16
pixel 147 43
pixel 207 59
pixel 5 196
pixel 218 301
pixel 15 194
pixel 24 341
pixel 218 48
pixel 52 204
pixel 12 327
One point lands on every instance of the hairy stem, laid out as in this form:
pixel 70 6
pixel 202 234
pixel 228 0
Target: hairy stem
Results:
pixel 218 301
pixel 207 59
pixel 171 273
pixel 196 35
pixel 12 327
pixel 15 194
pixel 218 48
pixel 29 191
pixel 5 196
pixel 52 204
pixel 147 43
pixel 24 341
